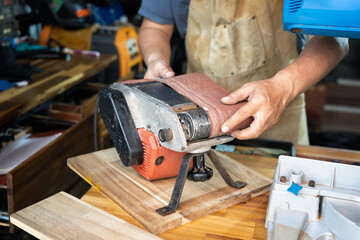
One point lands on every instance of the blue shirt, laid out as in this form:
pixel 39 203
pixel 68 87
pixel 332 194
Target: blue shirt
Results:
pixel 167 12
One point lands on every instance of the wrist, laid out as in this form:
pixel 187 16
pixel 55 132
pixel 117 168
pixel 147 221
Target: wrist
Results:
pixel 285 79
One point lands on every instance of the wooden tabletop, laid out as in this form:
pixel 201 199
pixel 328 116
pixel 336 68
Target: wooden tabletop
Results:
pixel 58 76
pixel 241 221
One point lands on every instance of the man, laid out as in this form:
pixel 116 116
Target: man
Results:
pixel 240 44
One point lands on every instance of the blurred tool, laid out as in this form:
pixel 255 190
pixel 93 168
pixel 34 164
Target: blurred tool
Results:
pixel 107 13
pixel 8 23
pixel 25 50
pixel 81 52
pixel 74 39
pixel 11 72
pixel 70 14
pixel 126 42
pixel 323 17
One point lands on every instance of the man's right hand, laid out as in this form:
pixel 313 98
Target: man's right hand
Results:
pixel 158 69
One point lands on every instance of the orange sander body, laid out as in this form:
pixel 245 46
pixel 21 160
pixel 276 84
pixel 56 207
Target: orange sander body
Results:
pixel 159 162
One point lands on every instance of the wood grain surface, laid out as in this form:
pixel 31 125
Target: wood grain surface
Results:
pixel 57 77
pixel 63 216
pixel 328 154
pixel 140 197
pixel 241 221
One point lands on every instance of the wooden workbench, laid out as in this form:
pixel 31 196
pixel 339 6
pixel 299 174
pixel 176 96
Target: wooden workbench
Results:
pixel 57 77
pixel 45 172
pixel 241 221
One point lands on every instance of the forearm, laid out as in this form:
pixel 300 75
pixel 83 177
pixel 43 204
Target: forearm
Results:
pixel 154 41
pixel 319 57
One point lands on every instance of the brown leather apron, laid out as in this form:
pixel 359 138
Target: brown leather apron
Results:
pixel 238 41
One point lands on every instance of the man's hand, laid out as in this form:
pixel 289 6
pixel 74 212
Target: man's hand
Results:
pixel 266 100
pixel 158 69
pixel 154 41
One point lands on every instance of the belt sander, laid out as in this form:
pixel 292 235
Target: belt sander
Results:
pixel 163 128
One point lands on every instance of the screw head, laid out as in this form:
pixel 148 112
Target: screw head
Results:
pixel 283 179
pixel 311 183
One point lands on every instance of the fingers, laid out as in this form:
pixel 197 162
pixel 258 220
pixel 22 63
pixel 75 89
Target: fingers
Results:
pixel 237 96
pixel 166 71
pixel 246 111
pixel 255 129
pixel 159 69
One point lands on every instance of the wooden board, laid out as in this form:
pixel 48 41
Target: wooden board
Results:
pixel 242 221
pixel 63 216
pixel 327 153
pixel 57 77
pixel 45 173
pixel 140 197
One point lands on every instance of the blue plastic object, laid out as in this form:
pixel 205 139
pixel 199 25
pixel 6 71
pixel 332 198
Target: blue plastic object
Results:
pixel 107 15
pixel 335 18
pixel 294 188
pixel 5 84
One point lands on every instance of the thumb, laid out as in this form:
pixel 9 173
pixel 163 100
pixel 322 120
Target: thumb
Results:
pixel 165 71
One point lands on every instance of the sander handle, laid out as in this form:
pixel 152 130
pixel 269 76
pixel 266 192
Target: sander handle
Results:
pixel 117 117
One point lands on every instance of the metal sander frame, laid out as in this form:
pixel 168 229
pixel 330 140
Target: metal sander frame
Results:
pixel 124 109
pixel 181 177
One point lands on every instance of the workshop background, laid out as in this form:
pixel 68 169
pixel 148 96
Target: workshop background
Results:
pixel 61 31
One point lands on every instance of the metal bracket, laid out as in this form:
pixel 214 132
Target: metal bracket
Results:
pixel 180 181
pixel 178 188
pixel 224 174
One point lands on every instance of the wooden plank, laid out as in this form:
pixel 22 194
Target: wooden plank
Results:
pixel 63 216
pixel 343 95
pixel 140 197
pixel 341 122
pixel 46 173
pixel 240 221
pixel 326 153
pixel 55 80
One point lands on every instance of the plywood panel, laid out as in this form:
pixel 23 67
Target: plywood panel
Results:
pixel 63 216
pixel 140 197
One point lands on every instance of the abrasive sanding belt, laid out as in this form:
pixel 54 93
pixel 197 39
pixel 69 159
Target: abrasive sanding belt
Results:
pixel 204 92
